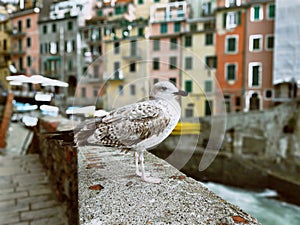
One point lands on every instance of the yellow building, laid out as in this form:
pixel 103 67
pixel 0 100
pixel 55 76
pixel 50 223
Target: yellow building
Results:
pixel 125 76
pixel 5 29
pixel 198 68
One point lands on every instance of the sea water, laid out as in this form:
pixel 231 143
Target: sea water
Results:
pixel 260 205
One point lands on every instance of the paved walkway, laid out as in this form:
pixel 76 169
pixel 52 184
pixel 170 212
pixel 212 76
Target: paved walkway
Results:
pixel 26 197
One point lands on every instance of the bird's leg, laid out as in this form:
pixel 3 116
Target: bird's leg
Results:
pixel 137 171
pixel 144 177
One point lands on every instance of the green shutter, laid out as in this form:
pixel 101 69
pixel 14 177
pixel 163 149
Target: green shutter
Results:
pixel 224 19
pixel 239 18
pixel 188 86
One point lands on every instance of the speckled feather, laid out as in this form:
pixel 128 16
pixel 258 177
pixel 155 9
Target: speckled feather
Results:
pixel 125 127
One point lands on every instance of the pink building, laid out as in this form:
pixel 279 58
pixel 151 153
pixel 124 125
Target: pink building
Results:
pixel 167 22
pixel 25 40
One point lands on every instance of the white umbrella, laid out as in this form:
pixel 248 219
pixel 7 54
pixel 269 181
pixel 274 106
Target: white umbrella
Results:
pixel 36 79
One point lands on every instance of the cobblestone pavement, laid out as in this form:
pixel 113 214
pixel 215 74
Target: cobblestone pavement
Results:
pixel 26 197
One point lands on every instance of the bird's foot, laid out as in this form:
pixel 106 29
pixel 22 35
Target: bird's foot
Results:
pixel 153 180
pixel 140 174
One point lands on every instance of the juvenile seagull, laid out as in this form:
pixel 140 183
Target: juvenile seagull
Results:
pixel 139 126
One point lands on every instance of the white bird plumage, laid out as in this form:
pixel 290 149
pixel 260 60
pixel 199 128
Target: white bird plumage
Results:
pixel 139 126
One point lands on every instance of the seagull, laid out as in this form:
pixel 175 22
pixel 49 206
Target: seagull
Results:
pixel 138 127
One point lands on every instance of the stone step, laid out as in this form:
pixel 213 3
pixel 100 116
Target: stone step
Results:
pixel 26 197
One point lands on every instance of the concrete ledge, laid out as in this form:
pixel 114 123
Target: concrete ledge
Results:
pixel 110 193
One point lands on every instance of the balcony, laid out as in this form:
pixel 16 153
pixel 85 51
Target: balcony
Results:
pixel 116 76
pixel 3 65
pixel 17 33
pixel 18 52
pixel 132 54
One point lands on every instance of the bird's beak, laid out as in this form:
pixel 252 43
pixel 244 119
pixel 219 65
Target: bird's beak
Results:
pixel 181 93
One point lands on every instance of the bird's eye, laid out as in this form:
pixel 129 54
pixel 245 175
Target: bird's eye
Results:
pixel 163 88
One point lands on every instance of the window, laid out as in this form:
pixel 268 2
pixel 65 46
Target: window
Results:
pixel 255 43
pixel 132 89
pixel 188 41
pixel 268 94
pixel 120 90
pixel 188 63
pixel 173 43
pixel 206 9
pixel 208 107
pixel 211 62
pixel 232 19
pixel 227 99
pixel 4 44
pixel 28 23
pixel 70 65
pixel 230 3
pixel 208 86
pixel 95 92
pixel 163 28
pixel 230 72
pixel 193 27
pixel 53 27
pixel 209 39
pixel 140 31
pixel 53 47
pixel 140 2
pixel 254 74
pixel 132 67
pixel 21 67
pixel 156 1
pixel 73 45
pixel 117 71
pixel 45 28
pixel 173 62
pixel 19 26
pixel 83 92
pixel 269 42
pixel 189 112
pixel 172 80
pixel 256 13
pixel 20 45
pixel 188 86
pixel 28 61
pixel 271 11
pixel 117 47
pixel 155 63
pixel 156 45
pixel 177 26
pixel 231 44
pixel 70 25
pixel 28 42
pixel 238 101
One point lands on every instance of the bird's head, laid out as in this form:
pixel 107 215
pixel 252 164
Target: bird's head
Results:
pixel 166 90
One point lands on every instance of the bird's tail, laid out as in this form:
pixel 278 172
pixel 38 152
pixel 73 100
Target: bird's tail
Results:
pixel 66 137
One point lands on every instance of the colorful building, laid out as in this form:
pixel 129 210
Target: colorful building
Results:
pixel 230 48
pixel 259 44
pixel 5 46
pixel 25 38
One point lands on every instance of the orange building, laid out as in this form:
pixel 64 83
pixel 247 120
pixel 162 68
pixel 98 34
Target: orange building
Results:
pixel 230 46
pixel 244 48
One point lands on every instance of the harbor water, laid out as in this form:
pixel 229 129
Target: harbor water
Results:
pixel 261 205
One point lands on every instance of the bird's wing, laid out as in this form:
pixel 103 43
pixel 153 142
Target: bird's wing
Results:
pixel 126 126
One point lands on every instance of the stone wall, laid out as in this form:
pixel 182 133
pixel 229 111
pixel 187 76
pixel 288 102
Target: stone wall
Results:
pixel 61 165
pixel 260 150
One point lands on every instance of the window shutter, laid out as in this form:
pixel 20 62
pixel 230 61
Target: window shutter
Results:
pixel 239 18
pixel 224 20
